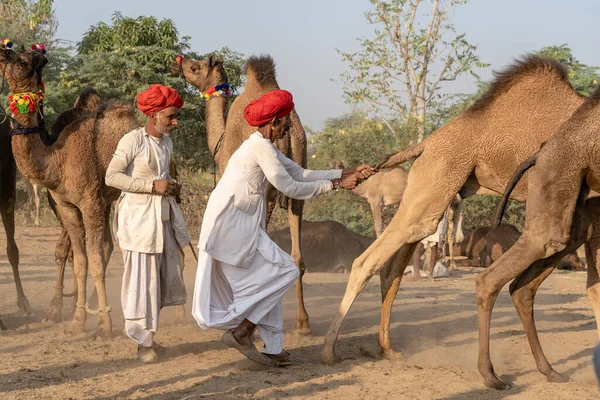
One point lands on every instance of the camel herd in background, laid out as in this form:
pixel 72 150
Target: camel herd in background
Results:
pixel 494 147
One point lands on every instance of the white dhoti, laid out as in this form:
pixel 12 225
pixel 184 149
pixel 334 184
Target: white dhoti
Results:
pixel 225 294
pixel 151 281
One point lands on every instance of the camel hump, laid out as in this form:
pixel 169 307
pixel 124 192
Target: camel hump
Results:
pixel 89 100
pixel 262 69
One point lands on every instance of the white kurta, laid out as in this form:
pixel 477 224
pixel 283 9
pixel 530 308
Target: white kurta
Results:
pixel 152 276
pixel 242 273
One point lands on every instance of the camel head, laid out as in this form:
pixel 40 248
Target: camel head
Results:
pixel 22 69
pixel 203 74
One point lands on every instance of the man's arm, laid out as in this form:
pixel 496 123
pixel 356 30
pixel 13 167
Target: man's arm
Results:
pixel 115 174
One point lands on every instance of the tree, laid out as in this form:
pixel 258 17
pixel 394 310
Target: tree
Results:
pixel 123 58
pixel 583 78
pixel 398 72
pixel 25 20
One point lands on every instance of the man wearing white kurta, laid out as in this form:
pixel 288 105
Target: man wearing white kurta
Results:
pixel 148 224
pixel 242 274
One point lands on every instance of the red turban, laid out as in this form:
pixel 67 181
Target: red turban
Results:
pixel 157 98
pixel 275 104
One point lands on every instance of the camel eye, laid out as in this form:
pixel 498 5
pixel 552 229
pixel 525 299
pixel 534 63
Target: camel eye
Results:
pixel 194 68
pixel 23 63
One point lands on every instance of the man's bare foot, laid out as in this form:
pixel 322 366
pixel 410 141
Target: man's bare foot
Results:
pixel 146 354
pixel 243 333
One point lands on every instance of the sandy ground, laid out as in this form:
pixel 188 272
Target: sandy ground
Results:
pixel 434 326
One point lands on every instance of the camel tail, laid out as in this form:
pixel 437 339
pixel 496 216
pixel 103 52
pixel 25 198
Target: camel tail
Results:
pixel 501 207
pixel 402 156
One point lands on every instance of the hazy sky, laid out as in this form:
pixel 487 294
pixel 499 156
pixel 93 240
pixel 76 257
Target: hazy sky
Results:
pixel 302 35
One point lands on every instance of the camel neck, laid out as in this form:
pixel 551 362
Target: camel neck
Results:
pixel 33 158
pixel 215 122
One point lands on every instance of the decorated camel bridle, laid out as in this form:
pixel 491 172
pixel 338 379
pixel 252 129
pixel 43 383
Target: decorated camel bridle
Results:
pixel 27 102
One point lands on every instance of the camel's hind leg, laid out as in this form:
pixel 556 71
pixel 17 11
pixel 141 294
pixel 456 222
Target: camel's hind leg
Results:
pixel 391 276
pixel 547 232
pixel 523 290
pixel 418 215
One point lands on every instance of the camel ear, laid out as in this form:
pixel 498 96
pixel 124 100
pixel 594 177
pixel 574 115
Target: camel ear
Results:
pixel 174 68
pixel 211 61
pixel 22 48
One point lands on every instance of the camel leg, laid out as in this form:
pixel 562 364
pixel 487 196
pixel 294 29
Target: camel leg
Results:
pixel 61 254
pixel 592 255
pixel 376 211
pixel 523 290
pixel 418 215
pixel 433 260
pixel 73 222
pixel 295 221
pixel 450 239
pixel 95 220
pixel 8 219
pixel 391 276
pixel 63 247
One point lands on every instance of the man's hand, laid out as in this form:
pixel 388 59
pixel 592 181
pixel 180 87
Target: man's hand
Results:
pixel 164 187
pixel 348 182
pixel 363 171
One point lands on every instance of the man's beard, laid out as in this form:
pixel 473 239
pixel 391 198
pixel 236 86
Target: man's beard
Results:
pixel 163 131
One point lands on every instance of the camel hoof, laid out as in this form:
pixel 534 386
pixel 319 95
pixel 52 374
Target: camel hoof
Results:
pixel 104 329
pixel 77 328
pixel 2 326
pixel 555 377
pixel 392 355
pixel 329 357
pixel 53 315
pixel 415 277
pixel 303 331
pixel 24 306
pixel 496 383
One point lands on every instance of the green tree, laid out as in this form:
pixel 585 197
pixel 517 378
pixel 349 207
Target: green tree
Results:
pixel 583 78
pixel 123 58
pixel 398 72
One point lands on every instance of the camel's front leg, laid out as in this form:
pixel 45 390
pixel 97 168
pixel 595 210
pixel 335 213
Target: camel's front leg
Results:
pixel 8 218
pixel 295 208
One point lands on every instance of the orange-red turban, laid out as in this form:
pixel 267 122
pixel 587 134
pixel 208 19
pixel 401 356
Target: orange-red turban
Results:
pixel 157 98
pixel 275 104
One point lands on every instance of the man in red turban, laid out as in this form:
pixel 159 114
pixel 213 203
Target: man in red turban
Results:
pixel 242 274
pixel 149 226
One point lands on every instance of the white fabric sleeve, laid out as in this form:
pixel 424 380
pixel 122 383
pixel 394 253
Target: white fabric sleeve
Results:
pixel 115 174
pixel 306 175
pixel 265 155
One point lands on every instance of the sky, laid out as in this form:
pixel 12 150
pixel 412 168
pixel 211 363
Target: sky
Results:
pixel 302 36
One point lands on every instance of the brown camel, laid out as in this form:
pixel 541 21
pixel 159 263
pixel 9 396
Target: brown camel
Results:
pixel 8 182
pixel 225 138
pixel 475 153
pixel 339 243
pixel 73 171
pixel 560 216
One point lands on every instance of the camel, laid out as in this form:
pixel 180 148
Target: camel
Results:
pixel 328 246
pixel 8 182
pixel 561 215
pixel 475 153
pixel 72 169
pixel 225 138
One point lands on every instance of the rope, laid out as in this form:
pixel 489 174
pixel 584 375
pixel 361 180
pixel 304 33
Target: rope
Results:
pixel 217 147
pixel 73 293
pixel 90 311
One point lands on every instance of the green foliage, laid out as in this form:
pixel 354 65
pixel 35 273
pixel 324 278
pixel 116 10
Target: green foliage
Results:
pixel 583 78
pixel 123 58
pixel 400 70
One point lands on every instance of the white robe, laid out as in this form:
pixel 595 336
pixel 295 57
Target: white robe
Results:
pixel 153 273
pixel 241 272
